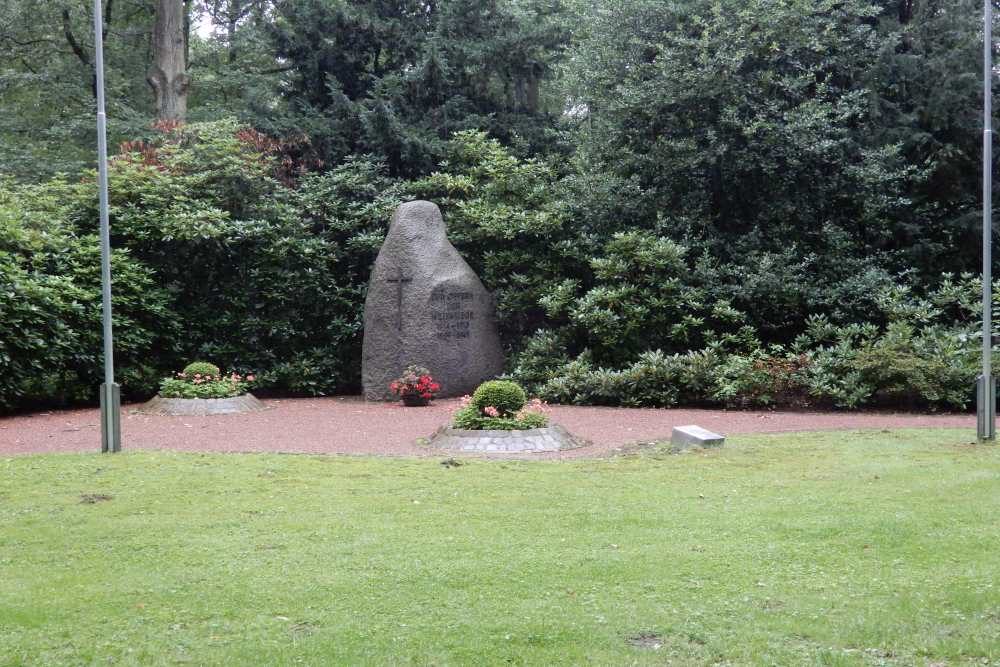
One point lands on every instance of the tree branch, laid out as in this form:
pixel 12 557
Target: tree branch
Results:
pixel 68 32
pixel 276 70
pixel 78 50
pixel 108 9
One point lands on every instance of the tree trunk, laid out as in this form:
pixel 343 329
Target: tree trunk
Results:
pixel 167 75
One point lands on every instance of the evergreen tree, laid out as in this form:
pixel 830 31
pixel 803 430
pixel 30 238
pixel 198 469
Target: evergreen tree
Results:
pixel 396 78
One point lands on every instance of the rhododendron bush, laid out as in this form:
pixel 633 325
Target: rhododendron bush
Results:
pixel 217 254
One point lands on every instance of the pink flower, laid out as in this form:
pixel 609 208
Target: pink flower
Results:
pixel 197 376
pixel 491 411
pixel 250 378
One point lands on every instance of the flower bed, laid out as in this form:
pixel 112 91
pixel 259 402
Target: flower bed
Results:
pixel 500 405
pixel 204 380
pixel 202 389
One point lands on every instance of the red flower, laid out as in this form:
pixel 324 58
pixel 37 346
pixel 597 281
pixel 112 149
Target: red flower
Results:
pixel 425 395
pixel 435 386
pixel 424 379
pixel 394 386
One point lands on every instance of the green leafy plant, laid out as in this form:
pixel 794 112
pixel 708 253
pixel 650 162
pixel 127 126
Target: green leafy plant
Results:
pixel 504 397
pixel 500 405
pixel 764 378
pixel 201 368
pixel 205 385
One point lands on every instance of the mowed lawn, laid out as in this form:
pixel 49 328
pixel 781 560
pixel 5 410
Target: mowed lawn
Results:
pixel 871 548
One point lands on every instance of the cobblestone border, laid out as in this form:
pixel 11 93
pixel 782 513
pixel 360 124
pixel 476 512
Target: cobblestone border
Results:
pixel 200 406
pixel 551 439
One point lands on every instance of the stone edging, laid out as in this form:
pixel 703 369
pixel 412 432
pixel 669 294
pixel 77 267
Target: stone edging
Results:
pixel 201 406
pixel 551 439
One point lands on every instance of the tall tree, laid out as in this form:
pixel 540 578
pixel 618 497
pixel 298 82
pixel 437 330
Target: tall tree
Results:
pixel 396 78
pixel 168 74
pixel 47 81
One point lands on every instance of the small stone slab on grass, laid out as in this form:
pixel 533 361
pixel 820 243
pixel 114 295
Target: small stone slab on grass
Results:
pixel 201 406
pixel 691 436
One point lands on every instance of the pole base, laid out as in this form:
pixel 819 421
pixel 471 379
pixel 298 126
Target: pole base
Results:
pixel 111 418
pixel 986 408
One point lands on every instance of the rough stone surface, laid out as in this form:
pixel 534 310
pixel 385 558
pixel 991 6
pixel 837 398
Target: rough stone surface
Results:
pixel 551 439
pixel 426 306
pixel 201 406
pixel 686 437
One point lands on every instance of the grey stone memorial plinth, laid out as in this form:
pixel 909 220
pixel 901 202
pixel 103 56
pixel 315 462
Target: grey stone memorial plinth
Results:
pixel 201 406
pixel 426 306
pixel 534 441
pixel 692 437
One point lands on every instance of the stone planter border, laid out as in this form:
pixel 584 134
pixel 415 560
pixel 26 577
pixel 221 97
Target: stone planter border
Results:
pixel 193 407
pixel 537 440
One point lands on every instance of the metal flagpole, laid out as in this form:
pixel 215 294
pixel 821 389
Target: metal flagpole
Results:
pixel 110 393
pixel 986 386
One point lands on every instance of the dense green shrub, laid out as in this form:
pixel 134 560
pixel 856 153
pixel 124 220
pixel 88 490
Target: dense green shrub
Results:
pixel 202 368
pixel 221 252
pixel 215 255
pixel 925 357
pixel 506 397
pixel 50 304
pixel 763 378
pixel 500 405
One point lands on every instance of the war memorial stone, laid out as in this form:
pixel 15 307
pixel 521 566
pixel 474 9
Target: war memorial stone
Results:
pixel 426 306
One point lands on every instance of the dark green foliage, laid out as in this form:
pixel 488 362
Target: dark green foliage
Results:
pixel 925 357
pixel 654 380
pixel 214 257
pixel 832 139
pixel 50 303
pixel 47 82
pixel 503 395
pixel 713 202
pixel 505 215
pixel 396 78
pixel 217 257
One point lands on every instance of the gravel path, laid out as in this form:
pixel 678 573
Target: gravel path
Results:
pixel 348 425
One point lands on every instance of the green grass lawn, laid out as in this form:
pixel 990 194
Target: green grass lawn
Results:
pixel 832 549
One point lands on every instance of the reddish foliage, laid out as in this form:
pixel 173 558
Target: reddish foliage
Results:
pixel 167 126
pixel 290 162
pixel 147 154
pixel 147 151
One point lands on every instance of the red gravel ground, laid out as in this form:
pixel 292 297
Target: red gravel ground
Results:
pixel 348 425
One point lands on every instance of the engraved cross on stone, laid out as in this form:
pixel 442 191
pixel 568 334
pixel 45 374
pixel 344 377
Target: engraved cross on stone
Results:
pixel 400 280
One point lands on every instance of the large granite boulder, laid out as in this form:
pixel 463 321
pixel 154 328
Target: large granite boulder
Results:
pixel 426 306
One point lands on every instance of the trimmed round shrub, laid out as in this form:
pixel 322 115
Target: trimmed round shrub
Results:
pixel 506 396
pixel 202 368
